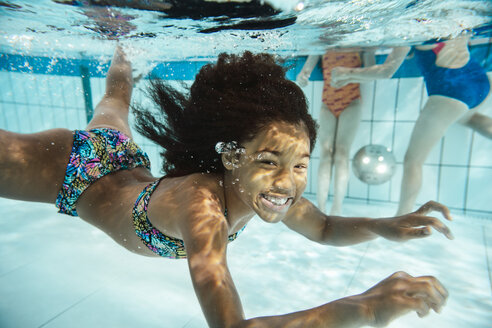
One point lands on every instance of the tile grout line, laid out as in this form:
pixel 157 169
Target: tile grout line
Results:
pixel 357 269
pixel 70 307
pixel 467 180
pixel 15 269
pixel 484 234
pixel 193 317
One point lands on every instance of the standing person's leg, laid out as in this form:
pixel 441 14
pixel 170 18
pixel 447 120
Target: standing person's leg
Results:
pixel 477 121
pixel 327 130
pixel 437 115
pixel 112 110
pixel 348 124
pixel 480 123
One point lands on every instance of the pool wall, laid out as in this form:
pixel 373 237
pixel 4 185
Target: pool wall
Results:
pixel 40 93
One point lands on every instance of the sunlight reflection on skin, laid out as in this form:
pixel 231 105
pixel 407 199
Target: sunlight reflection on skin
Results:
pixel 276 163
pixel 19 178
pixel 210 232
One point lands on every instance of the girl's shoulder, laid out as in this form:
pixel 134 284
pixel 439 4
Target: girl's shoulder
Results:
pixel 194 188
pixel 180 204
pixel 209 181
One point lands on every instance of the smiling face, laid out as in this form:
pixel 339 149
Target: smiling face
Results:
pixel 272 173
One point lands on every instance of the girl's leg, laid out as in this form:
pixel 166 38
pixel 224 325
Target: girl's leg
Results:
pixel 32 166
pixel 480 123
pixel 327 129
pixel 348 124
pixel 437 115
pixel 112 110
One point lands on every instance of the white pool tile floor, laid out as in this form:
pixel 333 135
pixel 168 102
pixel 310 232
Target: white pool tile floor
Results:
pixel 58 271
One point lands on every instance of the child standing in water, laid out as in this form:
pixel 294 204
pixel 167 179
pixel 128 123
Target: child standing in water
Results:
pixel 339 119
pixel 237 146
pixel 457 87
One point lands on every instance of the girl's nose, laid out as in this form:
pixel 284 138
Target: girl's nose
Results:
pixel 284 180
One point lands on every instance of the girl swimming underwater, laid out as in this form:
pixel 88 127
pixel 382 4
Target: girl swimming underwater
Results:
pixel 237 146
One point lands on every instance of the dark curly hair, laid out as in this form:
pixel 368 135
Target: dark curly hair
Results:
pixel 229 101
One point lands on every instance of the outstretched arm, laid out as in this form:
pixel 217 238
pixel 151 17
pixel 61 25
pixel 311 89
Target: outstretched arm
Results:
pixel 309 221
pixel 341 76
pixel 205 232
pixel 396 295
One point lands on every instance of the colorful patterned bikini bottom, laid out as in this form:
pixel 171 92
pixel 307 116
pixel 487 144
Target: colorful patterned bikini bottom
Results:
pixel 96 153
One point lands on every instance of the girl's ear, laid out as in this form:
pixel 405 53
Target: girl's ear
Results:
pixel 230 159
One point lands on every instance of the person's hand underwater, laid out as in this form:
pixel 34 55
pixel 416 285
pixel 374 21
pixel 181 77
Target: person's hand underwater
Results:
pixel 398 294
pixel 413 225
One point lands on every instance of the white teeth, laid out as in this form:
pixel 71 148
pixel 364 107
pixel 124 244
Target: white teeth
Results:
pixel 276 200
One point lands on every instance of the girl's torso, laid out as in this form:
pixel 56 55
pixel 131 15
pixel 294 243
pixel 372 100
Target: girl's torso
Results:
pixel 449 71
pixel 108 204
pixel 450 54
pixel 338 99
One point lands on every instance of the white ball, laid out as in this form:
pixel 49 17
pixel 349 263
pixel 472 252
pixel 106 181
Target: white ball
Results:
pixel 374 164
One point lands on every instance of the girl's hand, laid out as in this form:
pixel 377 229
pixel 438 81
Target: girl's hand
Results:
pixel 398 294
pixel 341 76
pixel 413 225
pixel 302 79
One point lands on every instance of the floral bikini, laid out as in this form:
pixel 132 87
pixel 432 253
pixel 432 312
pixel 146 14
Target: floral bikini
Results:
pixel 155 240
pixel 98 152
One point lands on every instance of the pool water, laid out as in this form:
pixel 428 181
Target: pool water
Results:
pixel 64 31
pixel 58 271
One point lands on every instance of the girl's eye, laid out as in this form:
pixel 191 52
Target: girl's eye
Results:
pixel 267 162
pixel 301 167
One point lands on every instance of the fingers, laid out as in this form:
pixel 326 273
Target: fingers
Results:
pixel 426 293
pixel 434 206
pixel 427 221
pixel 417 232
pixel 336 85
pixel 302 81
pixel 421 293
pixel 416 304
pixel 399 274
pixel 429 294
pixel 401 293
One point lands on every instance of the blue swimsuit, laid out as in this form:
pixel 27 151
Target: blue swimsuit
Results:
pixel 468 84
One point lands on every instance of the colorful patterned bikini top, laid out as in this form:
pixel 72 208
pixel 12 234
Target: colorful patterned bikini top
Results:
pixel 155 240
